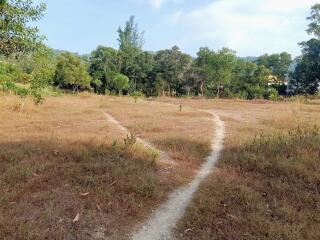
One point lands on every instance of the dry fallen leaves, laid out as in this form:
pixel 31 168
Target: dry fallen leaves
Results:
pixel 84 194
pixel 77 218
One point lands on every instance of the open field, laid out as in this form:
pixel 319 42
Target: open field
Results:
pixel 266 185
pixel 65 158
pixel 106 136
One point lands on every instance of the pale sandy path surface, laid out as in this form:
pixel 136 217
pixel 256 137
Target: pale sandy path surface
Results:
pixel 164 157
pixel 164 219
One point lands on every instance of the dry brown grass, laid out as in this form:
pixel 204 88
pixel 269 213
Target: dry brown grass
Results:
pixel 266 189
pixel 185 135
pixel 52 155
pixel 267 182
pixel 247 119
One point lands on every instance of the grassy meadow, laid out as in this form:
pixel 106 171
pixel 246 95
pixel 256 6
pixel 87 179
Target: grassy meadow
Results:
pixel 65 172
pixel 266 184
pixel 64 158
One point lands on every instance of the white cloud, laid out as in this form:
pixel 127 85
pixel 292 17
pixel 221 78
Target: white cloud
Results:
pixel 158 4
pixel 249 26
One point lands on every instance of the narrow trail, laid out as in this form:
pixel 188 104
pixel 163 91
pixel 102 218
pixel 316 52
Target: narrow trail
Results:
pixel 163 220
pixel 164 157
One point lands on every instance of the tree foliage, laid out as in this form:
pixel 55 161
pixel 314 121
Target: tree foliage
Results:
pixel 133 71
pixel 130 36
pixel 217 67
pixel 104 63
pixel 314 25
pixel 249 80
pixel 71 72
pixel 17 36
pixel 277 63
pixel 306 77
pixel 120 82
pixel 171 67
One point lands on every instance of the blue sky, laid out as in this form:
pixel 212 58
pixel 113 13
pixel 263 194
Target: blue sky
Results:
pixel 251 27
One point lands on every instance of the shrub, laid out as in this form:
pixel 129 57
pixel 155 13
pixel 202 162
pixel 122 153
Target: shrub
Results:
pixel 273 94
pixel 136 95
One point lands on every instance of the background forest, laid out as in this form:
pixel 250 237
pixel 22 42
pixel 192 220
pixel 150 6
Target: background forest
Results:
pixel 27 66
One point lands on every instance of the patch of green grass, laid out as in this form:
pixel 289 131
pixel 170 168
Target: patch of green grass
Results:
pixel 52 92
pixel 15 174
pixel 265 189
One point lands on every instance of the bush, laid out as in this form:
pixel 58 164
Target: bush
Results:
pixel 273 94
pixel 136 95
pixel 120 82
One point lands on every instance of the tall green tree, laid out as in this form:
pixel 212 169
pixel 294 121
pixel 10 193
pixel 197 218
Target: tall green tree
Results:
pixel 104 63
pixel 277 63
pixel 217 67
pixel 194 81
pixel 39 65
pixel 130 36
pixel 171 67
pixel 130 66
pixel 314 25
pixel 134 62
pixel 306 77
pixel 120 82
pixel 145 77
pixel 249 80
pixel 17 35
pixel 71 72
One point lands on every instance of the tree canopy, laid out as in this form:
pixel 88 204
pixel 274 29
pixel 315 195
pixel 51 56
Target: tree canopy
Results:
pixel 71 72
pixel 130 36
pixel 306 77
pixel 277 63
pixel 16 33
pixel 132 70
pixel 314 25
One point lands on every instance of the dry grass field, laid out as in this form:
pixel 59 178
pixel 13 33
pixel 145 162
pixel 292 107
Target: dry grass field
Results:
pixel 267 184
pixel 64 158
pixel 185 135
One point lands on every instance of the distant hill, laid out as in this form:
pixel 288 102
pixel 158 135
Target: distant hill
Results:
pixel 249 58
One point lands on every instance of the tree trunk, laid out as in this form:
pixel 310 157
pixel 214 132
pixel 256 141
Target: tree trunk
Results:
pixel 75 88
pixel 218 92
pixel 201 89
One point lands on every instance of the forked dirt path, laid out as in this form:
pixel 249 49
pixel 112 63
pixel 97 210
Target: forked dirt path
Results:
pixel 163 220
pixel 163 158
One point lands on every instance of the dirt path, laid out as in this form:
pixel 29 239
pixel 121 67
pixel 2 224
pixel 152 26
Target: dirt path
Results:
pixel 164 219
pixel 164 157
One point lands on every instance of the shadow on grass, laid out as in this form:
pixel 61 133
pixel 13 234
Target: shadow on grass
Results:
pixel 45 184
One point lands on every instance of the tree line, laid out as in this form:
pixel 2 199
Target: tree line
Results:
pixel 130 69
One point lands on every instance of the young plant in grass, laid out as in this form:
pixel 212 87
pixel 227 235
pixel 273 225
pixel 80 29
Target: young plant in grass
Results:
pixel 136 95
pixel 130 140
